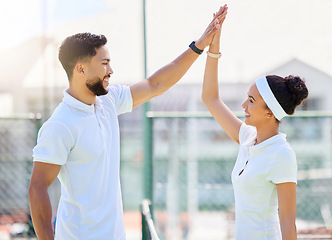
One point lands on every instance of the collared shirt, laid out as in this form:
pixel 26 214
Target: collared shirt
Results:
pixel 256 203
pixel 84 140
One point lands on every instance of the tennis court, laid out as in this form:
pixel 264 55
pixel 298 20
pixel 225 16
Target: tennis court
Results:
pixel 192 163
pixel 191 188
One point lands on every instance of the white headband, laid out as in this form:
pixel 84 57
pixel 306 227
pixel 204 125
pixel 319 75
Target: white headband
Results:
pixel 270 100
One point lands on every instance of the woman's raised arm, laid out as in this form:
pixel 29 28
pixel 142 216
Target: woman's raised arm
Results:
pixel 210 93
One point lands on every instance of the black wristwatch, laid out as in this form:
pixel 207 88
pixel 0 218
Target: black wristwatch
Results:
pixel 194 48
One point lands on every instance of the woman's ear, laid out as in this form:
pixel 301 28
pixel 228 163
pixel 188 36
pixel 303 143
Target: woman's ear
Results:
pixel 269 114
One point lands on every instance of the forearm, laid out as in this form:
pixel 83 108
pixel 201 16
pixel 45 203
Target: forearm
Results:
pixel 210 83
pixel 41 213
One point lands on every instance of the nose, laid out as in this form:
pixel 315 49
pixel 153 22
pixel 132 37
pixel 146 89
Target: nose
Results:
pixel 109 70
pixel 244 105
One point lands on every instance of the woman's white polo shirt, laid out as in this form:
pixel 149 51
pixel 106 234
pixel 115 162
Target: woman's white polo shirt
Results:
pixel 256 204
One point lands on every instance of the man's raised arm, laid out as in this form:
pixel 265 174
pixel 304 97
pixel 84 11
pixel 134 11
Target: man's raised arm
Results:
pixel 167 76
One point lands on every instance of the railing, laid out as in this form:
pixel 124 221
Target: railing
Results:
pixel 148 228
pixel 192 161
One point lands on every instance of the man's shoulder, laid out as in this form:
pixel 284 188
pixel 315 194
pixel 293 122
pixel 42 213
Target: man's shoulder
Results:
pixel 61 112
pixel 117 88
pixel 118 98
pixel 64 115
pixel 117 91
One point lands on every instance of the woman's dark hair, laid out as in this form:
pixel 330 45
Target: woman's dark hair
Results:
pixel 79 47
pixel 289 91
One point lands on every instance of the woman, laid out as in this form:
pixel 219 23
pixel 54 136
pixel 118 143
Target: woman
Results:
pixel 264 175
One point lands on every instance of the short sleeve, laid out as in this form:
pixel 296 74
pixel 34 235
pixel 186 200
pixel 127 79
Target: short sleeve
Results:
pixel 122 98
pixel 53 144
pixel 247 134
pixel 283 168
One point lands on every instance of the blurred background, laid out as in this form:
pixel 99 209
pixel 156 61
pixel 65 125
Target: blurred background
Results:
pixel 177 156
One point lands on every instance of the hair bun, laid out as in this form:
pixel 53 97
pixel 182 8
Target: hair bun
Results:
pixel 297 88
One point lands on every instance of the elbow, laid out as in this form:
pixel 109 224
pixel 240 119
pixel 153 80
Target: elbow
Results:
pixel 155 91
pixel 33 189
pixel 208 99
pixel 32 195
pixel 288 224
pixel 288 229
pixel 204 98
pixel 287 220
pixel 156 88
pixel 36 190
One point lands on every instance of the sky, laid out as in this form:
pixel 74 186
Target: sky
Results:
pixel 296 29
pixel 23 19
pixel 258 36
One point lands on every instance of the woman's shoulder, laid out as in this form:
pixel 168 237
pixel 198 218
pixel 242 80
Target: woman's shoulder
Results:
pixel 247 134
pixel 285 152
pixel 283 166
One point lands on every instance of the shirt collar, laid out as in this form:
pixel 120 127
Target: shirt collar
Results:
pixel 256 148
pixel 74 103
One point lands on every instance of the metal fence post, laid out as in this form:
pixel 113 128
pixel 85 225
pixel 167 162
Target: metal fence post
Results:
pixel 147 128
pixel 148 174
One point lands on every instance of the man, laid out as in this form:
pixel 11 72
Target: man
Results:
pixel 79 144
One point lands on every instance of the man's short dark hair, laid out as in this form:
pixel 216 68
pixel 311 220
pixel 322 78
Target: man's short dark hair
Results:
pixel 80 46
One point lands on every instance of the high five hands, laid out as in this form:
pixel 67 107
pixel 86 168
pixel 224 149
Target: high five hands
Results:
pixel 213 28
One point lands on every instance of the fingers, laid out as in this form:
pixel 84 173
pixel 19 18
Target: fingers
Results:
pixel 219 17
pixel 221 11
pixel 219 20
pixel 217 23
pixel 214 26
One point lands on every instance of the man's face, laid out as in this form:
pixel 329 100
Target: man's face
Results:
pixel 99 72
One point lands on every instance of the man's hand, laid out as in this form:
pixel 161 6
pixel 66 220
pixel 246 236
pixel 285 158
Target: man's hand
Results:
pixel 213 28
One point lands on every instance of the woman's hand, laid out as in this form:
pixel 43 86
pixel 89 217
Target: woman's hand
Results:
pixel 212 29
pixel 214 46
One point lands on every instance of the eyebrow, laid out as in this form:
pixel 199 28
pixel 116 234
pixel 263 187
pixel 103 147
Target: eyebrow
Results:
pixel 105 59
pixel 252 97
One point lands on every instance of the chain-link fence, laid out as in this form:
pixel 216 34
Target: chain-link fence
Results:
pixel 17 138
pixel 193 159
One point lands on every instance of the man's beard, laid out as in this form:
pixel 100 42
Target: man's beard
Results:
pixel 95 85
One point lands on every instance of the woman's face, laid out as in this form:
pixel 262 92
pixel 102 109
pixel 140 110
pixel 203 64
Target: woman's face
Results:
pixel 255 108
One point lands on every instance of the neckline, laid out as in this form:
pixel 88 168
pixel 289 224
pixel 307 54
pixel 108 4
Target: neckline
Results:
pixel 269 141
pixel 75 103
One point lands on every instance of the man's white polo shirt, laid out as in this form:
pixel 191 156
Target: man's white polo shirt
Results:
pixel 84 139
pixel 256 203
